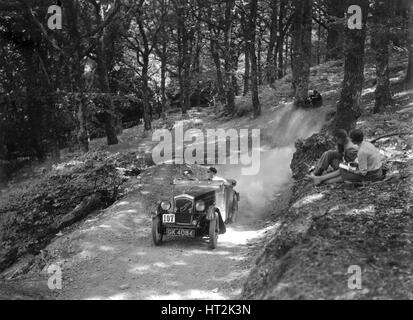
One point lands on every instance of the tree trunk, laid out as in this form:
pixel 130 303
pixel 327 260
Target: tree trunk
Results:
pixel 76 73
pixel 348 108
pixel 163 78
pixel 259 63
pixel 409 75
pixel 229 58
pixel 147 115
pixel 280 66
pixel 280 40
pixel 318 44
pixel 3 157
pixel 254 68
pixel 288 53
pixel 196 64
pixel 163 52
pixel 234 77
pixel 217 61
pixel 103 81
pixel 382 16
pixel 335 10
pixel 3 173
pixel 301 49
pixel 35 106
pixel 35 121
pixel 79 98
pixel 270 68
pixel 184 56
pixel 82 136
pixel 186 89
pixel 247 71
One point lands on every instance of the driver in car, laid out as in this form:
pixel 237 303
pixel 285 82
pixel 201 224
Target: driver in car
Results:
pixel 189 174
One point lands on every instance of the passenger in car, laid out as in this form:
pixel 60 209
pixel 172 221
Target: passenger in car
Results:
pixel 212 175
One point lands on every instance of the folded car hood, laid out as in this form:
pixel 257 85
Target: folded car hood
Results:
pixel 194 191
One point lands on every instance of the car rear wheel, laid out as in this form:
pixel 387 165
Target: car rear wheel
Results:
pixel 213 233
pixel 157 235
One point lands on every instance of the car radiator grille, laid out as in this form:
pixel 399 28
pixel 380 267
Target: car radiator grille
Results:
pixel 183 208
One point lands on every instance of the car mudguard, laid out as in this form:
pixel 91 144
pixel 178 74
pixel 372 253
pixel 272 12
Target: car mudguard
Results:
pixel 211 213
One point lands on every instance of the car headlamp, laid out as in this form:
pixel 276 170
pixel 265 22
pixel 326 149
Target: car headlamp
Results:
pixel 165 205
pixel 200 205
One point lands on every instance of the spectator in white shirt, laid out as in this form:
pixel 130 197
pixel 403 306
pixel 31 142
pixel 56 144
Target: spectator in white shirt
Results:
pixel 369 164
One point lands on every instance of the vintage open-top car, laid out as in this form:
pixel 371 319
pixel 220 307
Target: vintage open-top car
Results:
pixel 197 209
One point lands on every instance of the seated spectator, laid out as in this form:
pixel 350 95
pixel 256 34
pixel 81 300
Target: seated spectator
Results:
pixel 369 161
pixel 346 151
pixel 369 164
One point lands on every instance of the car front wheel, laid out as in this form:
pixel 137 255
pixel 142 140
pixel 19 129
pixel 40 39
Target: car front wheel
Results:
pixel 157 235
pixel 213 233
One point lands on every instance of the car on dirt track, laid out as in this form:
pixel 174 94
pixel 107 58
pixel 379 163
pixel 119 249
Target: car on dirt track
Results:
pixel 197 209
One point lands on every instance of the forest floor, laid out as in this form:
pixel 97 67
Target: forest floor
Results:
pixel 109 255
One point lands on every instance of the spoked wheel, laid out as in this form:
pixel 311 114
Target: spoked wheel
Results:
pixel 213 233
pixel 157 235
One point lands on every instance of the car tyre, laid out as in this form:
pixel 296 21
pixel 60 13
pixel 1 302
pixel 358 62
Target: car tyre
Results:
pixel 157 236
pixel 213 232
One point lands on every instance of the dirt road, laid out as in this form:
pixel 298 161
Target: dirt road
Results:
pixel 111 256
